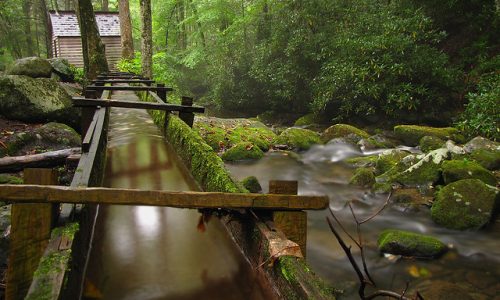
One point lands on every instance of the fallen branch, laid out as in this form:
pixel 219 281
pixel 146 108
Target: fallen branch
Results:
pixel 47 159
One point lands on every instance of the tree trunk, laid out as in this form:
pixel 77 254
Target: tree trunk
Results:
pixel 182 27
pixel 198 23
pixel 44 16
pixel 126 30
pixel 94 56
pixel 67 4
pixel 146 39
pixel 105 5
pixel 27 27
pixel 42 160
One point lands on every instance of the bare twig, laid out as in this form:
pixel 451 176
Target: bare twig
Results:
pixel 379 210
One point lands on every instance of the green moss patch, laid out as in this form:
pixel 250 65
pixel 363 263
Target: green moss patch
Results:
pixel 429 143
pixel 251 183
pixel 342 130
pixel 298 138
pixel 306 120
pixel 363 177
pixel 411 134
pixel 242 151
pixel 399 242
pixel 8 179
pixel 464 204
pixel 362 161
pixel 489 159
pixel 388 159
pixel 455 170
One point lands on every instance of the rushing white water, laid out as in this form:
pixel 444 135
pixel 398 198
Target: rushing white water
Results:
pixel 321 171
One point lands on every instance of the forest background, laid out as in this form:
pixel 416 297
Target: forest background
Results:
pixel 365 62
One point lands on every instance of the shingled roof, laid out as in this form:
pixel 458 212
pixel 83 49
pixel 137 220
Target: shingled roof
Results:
pixel 65 23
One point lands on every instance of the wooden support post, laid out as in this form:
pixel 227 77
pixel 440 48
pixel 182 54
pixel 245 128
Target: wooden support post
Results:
pixel 187 117
pixel 292 223
pixel 161 93
pixel 30 232
pixel 87 112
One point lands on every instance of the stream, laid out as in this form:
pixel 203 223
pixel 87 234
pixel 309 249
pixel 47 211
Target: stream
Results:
pixel 142 252
pixel 472 264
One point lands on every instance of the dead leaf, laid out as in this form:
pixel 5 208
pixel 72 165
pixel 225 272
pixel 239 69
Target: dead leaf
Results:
pixel 249 147
pixel 91 291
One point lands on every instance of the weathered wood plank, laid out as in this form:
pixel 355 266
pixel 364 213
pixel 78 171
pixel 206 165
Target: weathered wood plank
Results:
pixel 47 159
pixel 56 194
pixel 187 117
pixel 30 233
pixel 292 223
pixel 85 102
pixel 129 88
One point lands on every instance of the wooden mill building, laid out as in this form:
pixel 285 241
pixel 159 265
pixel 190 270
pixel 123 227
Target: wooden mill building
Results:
pixel 67 43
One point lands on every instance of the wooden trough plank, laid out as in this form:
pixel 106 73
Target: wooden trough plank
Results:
pixel 129 88
pixel 55 194
pixel 77 101
pixel 90 132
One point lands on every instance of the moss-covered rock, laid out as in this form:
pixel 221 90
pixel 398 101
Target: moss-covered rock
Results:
pixel 298 138
pixel 306 120
pixel 31 66
pixel 429 143
pixel 411 134
pixel 376 141
pixel 242 151
pixel 8 179
pixel 423 170
pixel 362 161
pixel 410 197
pixel 363 177
pixel 36 100
pixel 454 170
pixel 481 143
pixel 399 242
pixel 489 159
pixel 382 187
pixel 464 204
pixel 444 290
pixel 49 137
pixel 222 134
pixel 62 68
pixel 343 130
pixel 389 159
pixel 251 183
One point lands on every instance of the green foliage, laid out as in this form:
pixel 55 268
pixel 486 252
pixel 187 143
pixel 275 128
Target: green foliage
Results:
pixel 482 113
pixel 79 74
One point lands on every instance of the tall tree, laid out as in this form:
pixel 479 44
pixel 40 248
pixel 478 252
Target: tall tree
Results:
pixel 94 57
pixel 44 17
pixel 126 29
pixel 105 5
pixel 146 39
pixel 27 27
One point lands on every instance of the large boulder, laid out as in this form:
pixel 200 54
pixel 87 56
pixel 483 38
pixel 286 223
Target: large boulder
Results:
pixel 377 141
pixel 298 138
pixel 251 183
pixel 31 66
pixel 389 159
pixel 342 131
pixel 242 151
pixel 464 204
pixel 36 100
pixel 221 134
pixel 481 143
pixel 429 143
pixel 411 134
pixel 405 243
pixel 489 159
pixel 49 137
pixel 454 170
pixel 62 68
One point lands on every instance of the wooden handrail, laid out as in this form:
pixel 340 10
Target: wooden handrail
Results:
pixel 61 194
pixel 85 102
pixel 122 81
pixel 129 88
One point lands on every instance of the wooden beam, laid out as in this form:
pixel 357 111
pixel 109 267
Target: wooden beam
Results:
pixel 129 88
pixel 292 223
pixel 122 81
pixel 187 117
pixel 85 102
pixel 60 194
pixel 30 233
